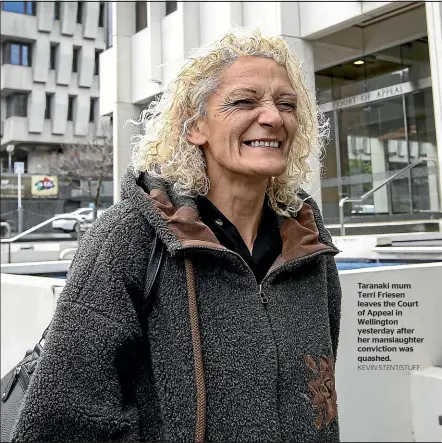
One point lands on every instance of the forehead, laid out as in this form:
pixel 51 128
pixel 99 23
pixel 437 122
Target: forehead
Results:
pixel 259 72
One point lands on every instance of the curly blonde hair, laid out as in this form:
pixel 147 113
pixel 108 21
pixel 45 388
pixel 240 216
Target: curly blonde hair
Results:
pixel 164 151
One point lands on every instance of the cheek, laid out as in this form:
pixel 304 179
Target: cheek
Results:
pixel 291 125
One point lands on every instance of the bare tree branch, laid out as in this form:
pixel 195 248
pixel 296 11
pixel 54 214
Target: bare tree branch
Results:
pixel 91 161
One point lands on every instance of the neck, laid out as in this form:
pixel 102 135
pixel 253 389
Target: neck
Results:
pixel 241 201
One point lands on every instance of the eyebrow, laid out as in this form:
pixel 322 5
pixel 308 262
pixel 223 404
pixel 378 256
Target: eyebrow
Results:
pixel 289 94
pixel 235 91
pixel 254 91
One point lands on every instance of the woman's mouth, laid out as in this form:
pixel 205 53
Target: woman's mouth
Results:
pixel 263 143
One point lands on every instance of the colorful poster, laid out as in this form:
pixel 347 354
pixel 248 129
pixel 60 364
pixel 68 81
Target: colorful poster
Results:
pixel 44 186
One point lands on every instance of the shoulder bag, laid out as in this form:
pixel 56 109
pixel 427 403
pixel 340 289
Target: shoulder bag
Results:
pixel 15 383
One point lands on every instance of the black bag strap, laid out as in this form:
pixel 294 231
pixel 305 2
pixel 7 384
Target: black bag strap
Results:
pixel 153 268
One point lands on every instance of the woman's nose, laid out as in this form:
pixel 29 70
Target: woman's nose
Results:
pixel 270 116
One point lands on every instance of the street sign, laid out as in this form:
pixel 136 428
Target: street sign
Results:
pixel 19 167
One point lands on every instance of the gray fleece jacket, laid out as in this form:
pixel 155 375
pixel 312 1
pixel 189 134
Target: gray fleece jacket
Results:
pixel 109 373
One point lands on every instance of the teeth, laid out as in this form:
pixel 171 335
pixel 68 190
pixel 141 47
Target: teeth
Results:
pixel 272 144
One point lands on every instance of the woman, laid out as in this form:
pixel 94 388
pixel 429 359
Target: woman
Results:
pixel 241 340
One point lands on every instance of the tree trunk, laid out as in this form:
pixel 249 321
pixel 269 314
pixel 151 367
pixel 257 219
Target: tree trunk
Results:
pixel 97 200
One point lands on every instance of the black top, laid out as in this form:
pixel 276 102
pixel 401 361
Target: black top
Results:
pixel 267 245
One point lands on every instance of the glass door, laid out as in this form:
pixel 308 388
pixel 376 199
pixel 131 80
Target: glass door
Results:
pixel 373 145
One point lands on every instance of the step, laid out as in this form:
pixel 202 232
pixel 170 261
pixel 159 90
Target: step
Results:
pixel 394 227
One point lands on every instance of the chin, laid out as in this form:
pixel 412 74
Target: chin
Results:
pixel 270 169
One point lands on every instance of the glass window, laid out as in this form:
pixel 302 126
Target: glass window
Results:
pixel 48 110
pixel 57 10
pixel 171 7
pixel 80 12
pixel 422 143
pixel 101 14
pixel 407 62
pixel 17 105
pixel 18 7
pixel 330 180
pixel 375 139
pixel 75 59
pixel 97 62
pixel 16 53
pixel 30 8
pixel 92 110
pixel 27 8
pixel 15 57
pixel 140 15
pixel 109 37
pixel 71 108
pixel 25 55
pixel 416 59
pixel 53 57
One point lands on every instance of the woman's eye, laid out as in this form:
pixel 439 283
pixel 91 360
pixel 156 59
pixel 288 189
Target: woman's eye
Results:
pixel 287 106
pixel 244 102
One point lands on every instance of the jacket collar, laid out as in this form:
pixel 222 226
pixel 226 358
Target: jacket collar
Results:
pixel 176 222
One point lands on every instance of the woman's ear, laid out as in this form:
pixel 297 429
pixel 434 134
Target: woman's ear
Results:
pixel 196 137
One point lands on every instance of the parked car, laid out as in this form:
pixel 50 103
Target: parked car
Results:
pixel 67 225
pixel 363 209
pixel 88 220
pixel 5 230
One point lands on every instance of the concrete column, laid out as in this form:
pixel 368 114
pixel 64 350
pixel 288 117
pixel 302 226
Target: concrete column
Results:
pixel 81 116
pixel 304 50
pixel 189 22
pixel 45 16
pixel 90 24
pixel 378 169
pixel 64 62
pixel 155 12
pixel 41 58
pixel 60 110
pixel 86 65
pixel 68 17
pixel 123 27
pixel 36 109
pixel 434 28
pixel 430 151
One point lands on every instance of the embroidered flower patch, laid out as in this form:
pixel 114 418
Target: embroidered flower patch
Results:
pixel 323 390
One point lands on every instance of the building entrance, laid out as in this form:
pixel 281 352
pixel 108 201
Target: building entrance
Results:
pixel 373 135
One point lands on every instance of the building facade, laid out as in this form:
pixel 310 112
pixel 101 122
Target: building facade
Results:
pixel 376 68
pixel 49 91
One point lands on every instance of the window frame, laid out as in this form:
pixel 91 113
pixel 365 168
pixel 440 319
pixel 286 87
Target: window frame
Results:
pixel 71 104
pixel 57 10
pixel 75 58
pixel 79 12
pixel 171 7
pixel 92 108
pixel 26 5
pixel 97 61
pixel 7 53
pixel 140 16
pixel 48 106
pixel 12 106
pixel 101 14
pixel 53 56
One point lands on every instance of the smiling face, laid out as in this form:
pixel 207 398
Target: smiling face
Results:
pixel 251 120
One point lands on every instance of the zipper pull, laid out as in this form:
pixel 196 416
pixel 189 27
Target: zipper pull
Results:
pixel 11 383
pixel 264 300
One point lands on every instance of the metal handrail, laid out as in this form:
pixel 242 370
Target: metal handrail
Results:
pixel 66 252
pixel 9 241
pixel 8 228
pixel 385 182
